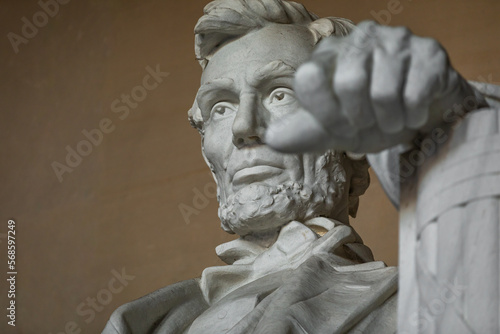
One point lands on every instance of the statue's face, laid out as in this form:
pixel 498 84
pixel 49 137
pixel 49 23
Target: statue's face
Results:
pixel 246 85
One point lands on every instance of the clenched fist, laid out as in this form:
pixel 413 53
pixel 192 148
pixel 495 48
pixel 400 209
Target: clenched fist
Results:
pixel 376 88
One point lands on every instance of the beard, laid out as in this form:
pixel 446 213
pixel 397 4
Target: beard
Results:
pixel 260 208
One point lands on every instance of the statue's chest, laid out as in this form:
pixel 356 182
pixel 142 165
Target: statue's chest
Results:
pixel 237 309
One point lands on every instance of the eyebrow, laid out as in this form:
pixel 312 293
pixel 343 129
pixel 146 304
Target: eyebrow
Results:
pixel 209 90
pixel 221 83
pixel 273 70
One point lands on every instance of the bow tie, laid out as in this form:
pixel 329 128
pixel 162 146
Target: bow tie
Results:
pixel 296 243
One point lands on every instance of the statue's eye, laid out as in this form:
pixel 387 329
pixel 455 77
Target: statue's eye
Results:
pixel 221 108
pixel 281 96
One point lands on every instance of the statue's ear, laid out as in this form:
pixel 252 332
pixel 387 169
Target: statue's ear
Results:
pixel 195 117
pixel 329 26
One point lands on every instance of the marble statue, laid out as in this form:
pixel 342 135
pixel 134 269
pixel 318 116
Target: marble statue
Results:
pixel 290 110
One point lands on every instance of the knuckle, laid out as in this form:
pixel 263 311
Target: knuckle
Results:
pixel 383 95
pixel 440 60
pixel 419 91
pixel 413 99
pixel 430 60
pixel 395 33
pixel 402 36
pixel 367 25
pixel 395 40
pixel 309 77
pixel 418 94
pixel 326 45
pixel 432 48
pixel 402 31
pixel 349 82
pixel 366 29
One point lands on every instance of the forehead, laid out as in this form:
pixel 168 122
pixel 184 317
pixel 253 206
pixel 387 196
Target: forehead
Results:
pixel 291 44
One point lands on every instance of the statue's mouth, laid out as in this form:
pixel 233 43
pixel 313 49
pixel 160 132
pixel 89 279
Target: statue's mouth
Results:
pixel 254 174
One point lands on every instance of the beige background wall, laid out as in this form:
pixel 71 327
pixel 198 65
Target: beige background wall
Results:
pixel 119 208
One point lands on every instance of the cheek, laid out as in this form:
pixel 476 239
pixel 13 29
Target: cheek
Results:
pixel 277 112
pixel 294 167
pixel 218 144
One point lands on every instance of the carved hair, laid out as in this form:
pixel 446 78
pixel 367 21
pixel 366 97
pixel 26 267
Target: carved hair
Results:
pixel 360 180
pixel 226 20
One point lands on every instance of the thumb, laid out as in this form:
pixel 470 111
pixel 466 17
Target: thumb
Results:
pixel 301 132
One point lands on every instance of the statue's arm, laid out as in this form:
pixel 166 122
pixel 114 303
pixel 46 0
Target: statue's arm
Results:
pixel 386 164
pixel 384 91
pixel 374 89
pixel 380 90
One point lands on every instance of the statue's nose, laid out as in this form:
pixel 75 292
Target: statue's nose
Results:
pixel 249 124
